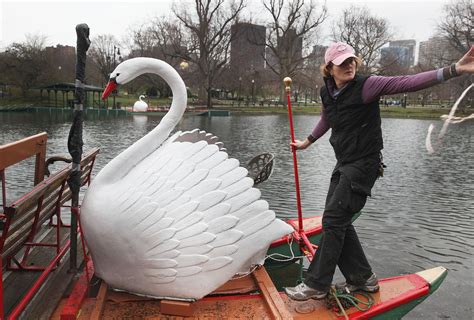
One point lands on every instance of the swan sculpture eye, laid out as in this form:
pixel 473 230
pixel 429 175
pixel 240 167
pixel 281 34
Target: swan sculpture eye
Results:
pixel 114 78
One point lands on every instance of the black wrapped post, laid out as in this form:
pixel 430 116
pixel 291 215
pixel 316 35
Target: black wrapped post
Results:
pixel 74 143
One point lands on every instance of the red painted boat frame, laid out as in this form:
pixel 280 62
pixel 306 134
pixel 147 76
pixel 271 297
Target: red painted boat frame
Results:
pixel 11 154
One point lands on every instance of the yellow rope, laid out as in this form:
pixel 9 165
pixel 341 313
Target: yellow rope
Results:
pixel 335 295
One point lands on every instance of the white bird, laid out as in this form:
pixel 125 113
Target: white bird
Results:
pixel 174 216
pixel 140 105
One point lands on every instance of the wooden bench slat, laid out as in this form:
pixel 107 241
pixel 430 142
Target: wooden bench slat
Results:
pixel 23 213
pixel 49 201
pixel 49 185
pixel 46 187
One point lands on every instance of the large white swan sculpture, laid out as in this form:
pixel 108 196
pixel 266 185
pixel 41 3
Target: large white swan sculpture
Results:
pixel 174 217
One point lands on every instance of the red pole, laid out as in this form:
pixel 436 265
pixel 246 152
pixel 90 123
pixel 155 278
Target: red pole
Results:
pixel 2 311
pixel 287 82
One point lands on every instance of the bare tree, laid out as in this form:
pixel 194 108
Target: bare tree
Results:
pixel 364 32
pixel 161 38
pixel 208 25
pixel 293 24
pixel 458 24
pixel 105 55
pixel 170 39
pixel 141 41
pixel 24 64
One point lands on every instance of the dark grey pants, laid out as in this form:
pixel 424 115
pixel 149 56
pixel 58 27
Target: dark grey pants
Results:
pixel 350 185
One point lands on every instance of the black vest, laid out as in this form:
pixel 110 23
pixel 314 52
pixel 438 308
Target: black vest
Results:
pixel 356 127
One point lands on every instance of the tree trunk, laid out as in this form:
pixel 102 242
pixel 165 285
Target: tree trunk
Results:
pixel 209 98
pixel 209 92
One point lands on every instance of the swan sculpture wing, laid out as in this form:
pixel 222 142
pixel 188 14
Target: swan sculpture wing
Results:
pixel 174 217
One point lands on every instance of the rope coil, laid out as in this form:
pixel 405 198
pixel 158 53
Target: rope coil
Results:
pixel 340 300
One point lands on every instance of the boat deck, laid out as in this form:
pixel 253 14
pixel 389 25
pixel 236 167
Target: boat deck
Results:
pixel 17 282
pixel 251 297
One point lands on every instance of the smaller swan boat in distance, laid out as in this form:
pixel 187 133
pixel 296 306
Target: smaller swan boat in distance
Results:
pixel 140 105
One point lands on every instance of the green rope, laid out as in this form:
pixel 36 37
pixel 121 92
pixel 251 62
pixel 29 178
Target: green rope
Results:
pixel 339 300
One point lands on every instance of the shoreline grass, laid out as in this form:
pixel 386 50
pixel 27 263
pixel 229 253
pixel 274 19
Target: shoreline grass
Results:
pixel 411 112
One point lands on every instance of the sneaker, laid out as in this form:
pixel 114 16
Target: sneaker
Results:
pixel 371 285
pixel 302 292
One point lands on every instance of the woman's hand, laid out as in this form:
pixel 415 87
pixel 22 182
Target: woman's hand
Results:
pixel 300 145
pixel 466 63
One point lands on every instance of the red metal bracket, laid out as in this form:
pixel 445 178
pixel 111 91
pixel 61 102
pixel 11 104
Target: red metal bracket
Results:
pixel 79 292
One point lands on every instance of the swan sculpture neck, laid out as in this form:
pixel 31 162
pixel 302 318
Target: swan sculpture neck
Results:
pixel 141 97
pixel 126 72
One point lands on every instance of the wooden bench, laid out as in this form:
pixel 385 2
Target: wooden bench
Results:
pixel 24 217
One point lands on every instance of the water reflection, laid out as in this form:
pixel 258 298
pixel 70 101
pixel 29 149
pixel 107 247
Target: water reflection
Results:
pixel 140 120
pixel 420 215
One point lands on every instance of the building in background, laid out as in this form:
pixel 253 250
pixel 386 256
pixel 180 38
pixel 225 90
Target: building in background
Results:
pixel 291 44
pixel 436 52
pixel 394 58
pixel 62 60
pixel 288 50
pixel 247 47
pixel 61 53
pixel 316 58
pixel 410 45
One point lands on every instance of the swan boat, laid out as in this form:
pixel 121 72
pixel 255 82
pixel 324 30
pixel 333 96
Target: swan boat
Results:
pixel 181 247
pixel 140 105
pixel 249 296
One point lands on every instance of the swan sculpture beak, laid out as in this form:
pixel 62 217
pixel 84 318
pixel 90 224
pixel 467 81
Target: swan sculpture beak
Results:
pixel 111 86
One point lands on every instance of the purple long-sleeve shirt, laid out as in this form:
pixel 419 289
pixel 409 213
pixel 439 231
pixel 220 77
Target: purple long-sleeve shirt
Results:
pixel 377 86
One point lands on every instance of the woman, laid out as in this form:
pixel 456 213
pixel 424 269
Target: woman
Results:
pixel 351 110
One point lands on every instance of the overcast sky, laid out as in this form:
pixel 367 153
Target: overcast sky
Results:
pixel 57 19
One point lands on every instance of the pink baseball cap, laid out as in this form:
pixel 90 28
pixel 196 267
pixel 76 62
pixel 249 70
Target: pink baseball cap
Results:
pixel 338 52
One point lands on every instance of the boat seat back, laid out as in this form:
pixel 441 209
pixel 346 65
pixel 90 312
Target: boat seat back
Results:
pixel 25 216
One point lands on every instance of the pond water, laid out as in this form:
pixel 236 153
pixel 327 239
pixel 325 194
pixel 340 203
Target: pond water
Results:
pixel 420 215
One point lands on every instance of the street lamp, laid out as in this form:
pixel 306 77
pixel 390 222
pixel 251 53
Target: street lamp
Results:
pixel 116 52
pixel 112 64
pixel 184 65
pixel 240 85
pixel 253 91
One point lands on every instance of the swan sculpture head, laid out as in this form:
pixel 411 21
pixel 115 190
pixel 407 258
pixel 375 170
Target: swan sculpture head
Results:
pixel 174 216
